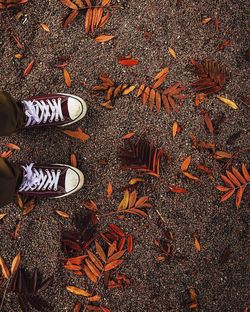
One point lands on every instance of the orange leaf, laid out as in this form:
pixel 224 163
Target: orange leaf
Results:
pixel 28 68
pixel 28 207
pixel 135 180
pixel 112 248
pixel 233 178
pixel 45 27
pixel 222 154
pixel 104 19
pixel 116 229
pixel 95 260
pixel 130 243
pixel 104 38
pixel 190 176
pixel 88 20
pixel 109 190
pixel 2 215
pixel 239 195
pixel 13 146
pixel 209 124
pixel 197 244
pixel 128 62
pixel 245 172
pixel 70 19
pixel 69 4
pixel 227 195
pixel 105 2
pixel 172 52
pixel 78 291
pixel 128 135
pixel 116 256
pixel 92 268
pixel 5 270
pixel 159 82
pixel 199 98
pixel 186 164
pixel 62 214
pixel 141 89
pixel 112 265
pixel 222 188
pixel 227 181
pixel 238 175
pixel 72 267
pixel 176 189
pixel 217 23
pixel 77 134
pixel 67 77
pixel 206 20
pixel 6 154
pixel 89 273
pixel 90 205
pixel 175 128
pixel 100 251
pixel 163 72
pixel 76 260
pixel 94 298
pixel 73 160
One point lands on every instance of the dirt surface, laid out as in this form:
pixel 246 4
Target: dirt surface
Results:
pixel 155 286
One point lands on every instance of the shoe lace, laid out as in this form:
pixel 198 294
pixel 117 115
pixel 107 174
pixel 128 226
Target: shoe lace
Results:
pixel 38 179
pixel 39 111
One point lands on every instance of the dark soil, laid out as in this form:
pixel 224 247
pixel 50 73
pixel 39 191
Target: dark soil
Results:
pixel 222 286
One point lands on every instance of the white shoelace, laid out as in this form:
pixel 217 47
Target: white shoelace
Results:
pixel 39 111
pixel 38 179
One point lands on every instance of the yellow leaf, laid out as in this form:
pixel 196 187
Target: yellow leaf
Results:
pixel 4 268
pixel 77 134
pixel 109 190
pixel 15 263
pixel 67 77
pixel 62 214
pixel 78 291
pixel 172 52
pixel 227 102
pixel 45 27
pixel 124 203
pixel 18 56
pixel 2 215
pixel 104 38
pixel 197 244
pixel 128 90
pixel 135 180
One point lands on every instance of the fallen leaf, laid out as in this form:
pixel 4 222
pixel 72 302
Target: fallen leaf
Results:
pixel 77 134
pixel 28 68
pixel 2 215
pixel 227 102
pixel 128 90
pixel 62 214
pixel 222 154
pixel 45 27
pixel 130 243
pixel 94 298
pixel 5 270
pixel 163 72
pixel 73 160
pixel 135 180
pixel 29 206
pixel 112 265
pixel 128 62
pixel 176 128
pixel 13 146
pixel 176 189
pixel 15 263
pixel 78 291
pixel 209 123
pixel 172 52
pixel 128 135
pixel 186 164
pixel 109 190
pixel 197 244
pixel 107 105
pixel 18 56
pixel 217 23
pixel 69 4
pixel 206 20
pixel 190 176
pixel 67 78
pixel 104 38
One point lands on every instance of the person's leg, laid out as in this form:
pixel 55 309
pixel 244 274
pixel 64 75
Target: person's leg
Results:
pixel 12 116
pixel 10 179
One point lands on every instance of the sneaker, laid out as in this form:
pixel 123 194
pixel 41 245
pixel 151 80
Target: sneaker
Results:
pixel 54 181
pixel 53 110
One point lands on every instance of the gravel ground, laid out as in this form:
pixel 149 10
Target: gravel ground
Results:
pixel 144 29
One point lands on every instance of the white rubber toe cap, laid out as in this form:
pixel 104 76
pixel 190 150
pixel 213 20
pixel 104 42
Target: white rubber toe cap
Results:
pixel 74 180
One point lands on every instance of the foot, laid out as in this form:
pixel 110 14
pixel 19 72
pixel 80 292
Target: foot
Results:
pixel 56 109
pixel 54 181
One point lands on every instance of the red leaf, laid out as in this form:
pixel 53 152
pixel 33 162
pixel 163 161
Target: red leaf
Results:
pixel 28 68
pixel 130 243
pixel 112 265
pixel 177 189
pixel 128 62
pixel 117 230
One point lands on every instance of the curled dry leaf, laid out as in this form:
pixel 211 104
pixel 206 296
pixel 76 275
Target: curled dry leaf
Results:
pixel 77 134
pixel 28 68
pixel 15 263
pixel 227 102
pixel 78 291
pixel 62 214
pixel 104 38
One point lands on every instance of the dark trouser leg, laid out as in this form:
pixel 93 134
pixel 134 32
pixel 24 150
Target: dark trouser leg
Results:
pixel 12 116
pixel 10 179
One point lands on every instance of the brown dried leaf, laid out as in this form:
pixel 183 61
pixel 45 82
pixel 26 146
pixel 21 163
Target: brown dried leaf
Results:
pixel 197 244
pixel 186 164
pixel 90 274
pixel 208 122
pixel 109 190
pixel 172 52
pixel 69 4
pixel 95 260
pixel 2 215
pixel 73 160
pixel 100 251
pixel 88 20
pixel 163 72
pixel 28 68
pixel 62 214
pixel 112 265
pixel 78 291
pixel 104 38
pixel 45 27
pixel 67 78
pixel 15 263
pixel 5 270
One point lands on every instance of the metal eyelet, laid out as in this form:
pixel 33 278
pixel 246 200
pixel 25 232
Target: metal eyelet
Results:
pixel 55 189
